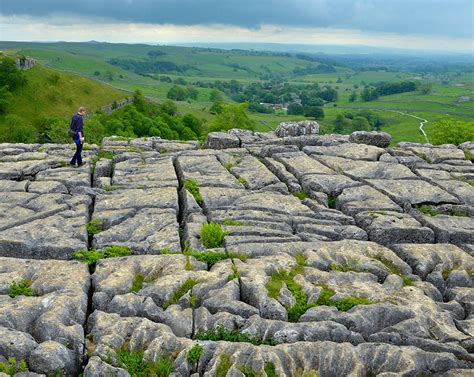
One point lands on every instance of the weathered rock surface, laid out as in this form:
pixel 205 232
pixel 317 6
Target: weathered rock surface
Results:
pixel 340 255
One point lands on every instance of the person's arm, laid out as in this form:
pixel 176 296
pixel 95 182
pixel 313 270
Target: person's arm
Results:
pixel 81 130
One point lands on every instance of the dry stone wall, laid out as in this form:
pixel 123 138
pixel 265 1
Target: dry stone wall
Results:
pixel 341 256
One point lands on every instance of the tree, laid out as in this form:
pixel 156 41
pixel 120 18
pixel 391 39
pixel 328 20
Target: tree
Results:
pixel 193 123
pixel 10 75
pixel 451 131
pixel 191 92
pixel 233 116
pixel 4 98
pixel 16 130
pixel 314 112
pixel 139 100
pixel 177 93
pixel 426 88
pixel 215 95
pixel 216 107
pixel 295 109
pixel 353 96
pixel 360 123
pixel 341 124
pixel 169 107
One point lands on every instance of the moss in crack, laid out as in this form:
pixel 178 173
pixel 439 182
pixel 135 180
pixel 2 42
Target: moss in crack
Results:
pixel 468 155
pixel 194 354
pixel 92 256
pixel 301 195
pixel 221 333
pixel 180 292
pixel 137 283
pixel 94 226
pixel 427 210
pixel 269 369
pixel 445 273
pixel 235 273
pixel 223 365
pixel 331 201
pixel 230 222
pixel 193 188
pixel 343 304
pixel 277 279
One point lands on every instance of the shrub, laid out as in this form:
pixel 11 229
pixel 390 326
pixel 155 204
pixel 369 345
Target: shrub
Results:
pixel 23 288
pixel 12 368
pixel 212 235
pixel 221 333
pixel 94 227
pixel 194 354
pixel 193 188
pixel 451 131
pixel 135 365
pixel 269 369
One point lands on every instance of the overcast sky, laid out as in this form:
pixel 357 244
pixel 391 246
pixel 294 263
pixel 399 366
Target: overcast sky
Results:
pixel 427 24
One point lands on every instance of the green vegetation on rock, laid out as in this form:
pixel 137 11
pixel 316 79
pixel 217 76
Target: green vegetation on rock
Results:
pixel 137 282
pixel 194 354
pixel 212 235
pixel 193 189
pixel 94 227
pixel 180 292
pixel 223 365
pixel 301 195
pixel 12 367
pixel 92 256
pixel 343 304
pixel 427 210
pixel 134 364
pixel 221 333
pixel 22 288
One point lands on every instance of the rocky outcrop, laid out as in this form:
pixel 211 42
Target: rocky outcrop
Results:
pixel 340 256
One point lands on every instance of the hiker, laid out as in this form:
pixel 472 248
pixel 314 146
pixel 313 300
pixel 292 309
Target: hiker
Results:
pixel 76 130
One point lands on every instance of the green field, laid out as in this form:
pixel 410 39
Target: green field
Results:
pixel 208 65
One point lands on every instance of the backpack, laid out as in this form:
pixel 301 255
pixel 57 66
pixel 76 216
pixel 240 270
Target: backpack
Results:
pixel 72 128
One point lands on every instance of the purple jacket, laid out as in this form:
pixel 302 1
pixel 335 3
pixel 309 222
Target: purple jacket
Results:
pixel 77 125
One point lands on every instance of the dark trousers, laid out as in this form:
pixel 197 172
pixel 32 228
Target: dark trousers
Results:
pixel 77 158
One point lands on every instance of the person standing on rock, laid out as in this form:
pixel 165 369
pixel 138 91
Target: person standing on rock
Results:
pixel 76 130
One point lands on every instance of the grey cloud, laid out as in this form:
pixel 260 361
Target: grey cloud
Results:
pixel 450 18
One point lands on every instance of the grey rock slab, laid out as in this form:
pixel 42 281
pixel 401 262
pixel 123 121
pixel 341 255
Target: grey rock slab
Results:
pixel 387 227
pixel 205 170
pixel 8 186
pixel 306 127
pixel 47 187
pixel 29 168
pixel 53 318
pixel 462 190
pixel 300 164
pixel 438 154
pixel 426 258
pixel 157 173
pixel 69 177
pixel 363 198
pixel 147 232
pixel 347 150
pixel 166 197
pixel 452 229
pixel 412 191
pixel 221 140
pixel 333 232
pixel 254 173
pixel 379 139
pixel 328 184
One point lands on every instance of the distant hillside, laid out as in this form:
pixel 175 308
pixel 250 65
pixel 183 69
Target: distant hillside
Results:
pixel 49 93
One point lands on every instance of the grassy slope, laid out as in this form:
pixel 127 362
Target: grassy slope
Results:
pixel 211 65
pixel 42 97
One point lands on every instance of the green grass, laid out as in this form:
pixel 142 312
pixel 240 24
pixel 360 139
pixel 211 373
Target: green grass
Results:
pixel 194 354
pixel 111 188
pixel 40 98
pixel 137 283
pixel 212 235
pixel 22 288
pixel 223 366
pixel 180 292
pixel 222 334
pixel 269 369
pixel 235 273
pixel 468 155
pixel 248 372
pixel 94 227
pixel 134 364
pixel 230 222
pixel 301 195
pixel 427 210
pixel 193 189
pixel 12 366
pixel 92 256
pixel 343 304
pixel 393 269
